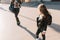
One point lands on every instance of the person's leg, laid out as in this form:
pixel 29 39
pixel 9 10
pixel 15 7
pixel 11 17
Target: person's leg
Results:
pixel 16 11
pixel 16 16
pixel 37 33
pixel 17 19
pixel 43 35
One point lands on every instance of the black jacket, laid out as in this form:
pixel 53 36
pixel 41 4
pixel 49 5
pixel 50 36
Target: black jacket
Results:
pixel 15 10
pixel 42 24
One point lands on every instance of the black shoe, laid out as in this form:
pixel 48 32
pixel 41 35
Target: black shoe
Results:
pixel 18 23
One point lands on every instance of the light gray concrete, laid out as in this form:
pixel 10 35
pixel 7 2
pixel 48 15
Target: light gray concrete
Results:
pixel 10 31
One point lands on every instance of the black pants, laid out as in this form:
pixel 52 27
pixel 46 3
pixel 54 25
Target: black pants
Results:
pixel 39 31
pixel 16 12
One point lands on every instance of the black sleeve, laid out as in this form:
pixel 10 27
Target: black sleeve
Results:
pixel 37 20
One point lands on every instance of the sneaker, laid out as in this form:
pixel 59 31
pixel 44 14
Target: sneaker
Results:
pixel 37 38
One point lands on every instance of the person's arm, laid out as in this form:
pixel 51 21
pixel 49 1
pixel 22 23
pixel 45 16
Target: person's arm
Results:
pixel 37 21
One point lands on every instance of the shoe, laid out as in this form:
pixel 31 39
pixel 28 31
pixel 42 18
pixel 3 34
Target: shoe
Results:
pixel 37 38
pixel 18 23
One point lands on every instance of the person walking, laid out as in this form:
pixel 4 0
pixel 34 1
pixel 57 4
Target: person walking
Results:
pixel 15 8
pixel 43 20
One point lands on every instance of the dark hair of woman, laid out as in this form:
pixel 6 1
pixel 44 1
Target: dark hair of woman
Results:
pixel 44 10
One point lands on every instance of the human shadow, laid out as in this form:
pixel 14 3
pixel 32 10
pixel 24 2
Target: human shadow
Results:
pixel 31 33
pixel 56 27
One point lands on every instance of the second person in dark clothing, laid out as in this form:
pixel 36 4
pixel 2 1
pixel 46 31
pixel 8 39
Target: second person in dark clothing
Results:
pixel 15 8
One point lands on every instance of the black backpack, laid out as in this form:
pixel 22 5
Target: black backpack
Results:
pixel 49 20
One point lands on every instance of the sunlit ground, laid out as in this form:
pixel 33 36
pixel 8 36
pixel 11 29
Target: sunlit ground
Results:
pixel 10 31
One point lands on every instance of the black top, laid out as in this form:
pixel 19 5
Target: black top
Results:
pixel 42 23
pixel 12 4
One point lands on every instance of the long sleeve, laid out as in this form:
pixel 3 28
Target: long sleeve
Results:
pixel 37 20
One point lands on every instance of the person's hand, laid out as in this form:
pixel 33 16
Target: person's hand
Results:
pixel 44 32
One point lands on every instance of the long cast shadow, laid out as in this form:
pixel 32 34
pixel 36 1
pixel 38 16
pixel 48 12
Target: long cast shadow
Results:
pixel 33 35
pixel 56 27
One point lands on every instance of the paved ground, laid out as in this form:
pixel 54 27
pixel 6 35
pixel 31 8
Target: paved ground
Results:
pixel 10 31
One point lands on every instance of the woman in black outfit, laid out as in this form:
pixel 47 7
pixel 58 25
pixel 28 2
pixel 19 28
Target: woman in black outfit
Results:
pixel 15 8
pixel 43 20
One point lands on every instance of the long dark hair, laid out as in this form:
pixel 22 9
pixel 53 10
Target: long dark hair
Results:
pixel 44 10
